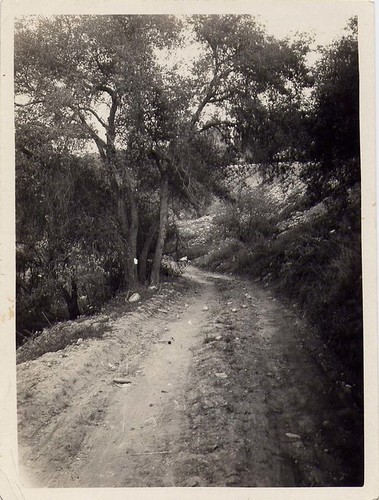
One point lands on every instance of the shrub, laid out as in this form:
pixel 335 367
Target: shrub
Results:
pixel 223 257
pixel 250 218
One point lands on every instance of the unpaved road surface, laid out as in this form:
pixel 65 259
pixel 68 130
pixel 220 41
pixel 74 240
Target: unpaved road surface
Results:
pixel 217 386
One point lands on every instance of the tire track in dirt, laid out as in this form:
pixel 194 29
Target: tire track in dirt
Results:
pixel 142 435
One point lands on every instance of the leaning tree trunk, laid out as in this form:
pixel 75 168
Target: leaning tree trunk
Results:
pixel 72 300
pixel 163 217
pixel 142 259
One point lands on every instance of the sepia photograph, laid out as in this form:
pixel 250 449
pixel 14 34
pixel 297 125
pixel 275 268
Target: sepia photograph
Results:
pixel 189 195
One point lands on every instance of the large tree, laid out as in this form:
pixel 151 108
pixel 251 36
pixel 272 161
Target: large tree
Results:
pixel 237 64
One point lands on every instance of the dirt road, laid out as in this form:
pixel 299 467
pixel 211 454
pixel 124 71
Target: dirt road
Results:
pixel 218 386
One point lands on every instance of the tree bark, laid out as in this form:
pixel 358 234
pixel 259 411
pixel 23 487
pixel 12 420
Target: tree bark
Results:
pixel 142 260
pixel 163 217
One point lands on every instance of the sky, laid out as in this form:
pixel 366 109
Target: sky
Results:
pixel 324 20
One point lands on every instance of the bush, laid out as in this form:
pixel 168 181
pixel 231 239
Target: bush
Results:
pixel 223 257
pixel 169 267
pixel 40 301
pixel 250 218
pixel 196 251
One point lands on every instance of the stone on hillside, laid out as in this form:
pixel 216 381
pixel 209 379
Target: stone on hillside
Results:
pixel 234 310
pixel 121 381
pixel 135 297
pixel 205 308
pixel 292 436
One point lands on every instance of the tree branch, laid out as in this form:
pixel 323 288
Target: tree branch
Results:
pixel 98 118
pixel 29 154
pixel 217 124
pixel 101 145
pixel 31 103
pixel 211 94
pixel 112 114
pixel 188 186
pixel 106 89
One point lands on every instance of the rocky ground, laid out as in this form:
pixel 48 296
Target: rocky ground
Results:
pixel 211 381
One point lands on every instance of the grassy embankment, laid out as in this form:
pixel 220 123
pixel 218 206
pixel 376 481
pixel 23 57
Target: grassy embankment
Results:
pixel 309 255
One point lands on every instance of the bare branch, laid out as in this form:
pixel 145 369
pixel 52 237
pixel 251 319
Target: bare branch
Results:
pixel 188 185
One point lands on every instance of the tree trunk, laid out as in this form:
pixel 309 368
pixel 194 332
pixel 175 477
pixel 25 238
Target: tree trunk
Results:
pixel 163 217
pixel 145 252
pixel 129 230
pixel 132 240
pixel 72 300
